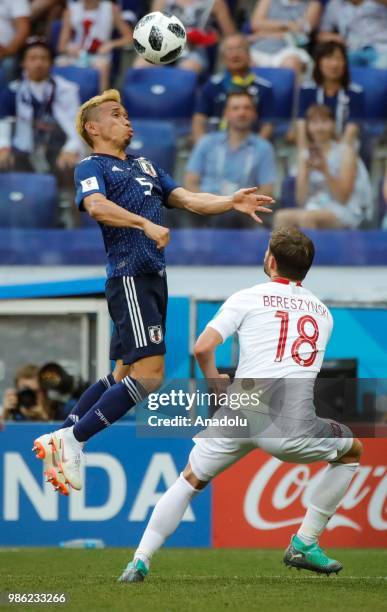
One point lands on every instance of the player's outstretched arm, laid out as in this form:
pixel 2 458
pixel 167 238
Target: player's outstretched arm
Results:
pixel 106 212
pixel 246 201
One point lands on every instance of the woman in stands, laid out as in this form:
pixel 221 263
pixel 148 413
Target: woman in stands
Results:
pixel 331 86
pixel 86 36
pixel 196 15
pixel 280 30
pixel 333 189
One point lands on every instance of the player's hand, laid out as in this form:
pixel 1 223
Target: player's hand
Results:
pixel 67 160
pixel 158 233
pixel 219 385
pixel 249 202
pixel 6 158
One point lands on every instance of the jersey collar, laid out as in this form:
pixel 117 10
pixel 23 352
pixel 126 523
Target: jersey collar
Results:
pixel 285 281
pixel 112 156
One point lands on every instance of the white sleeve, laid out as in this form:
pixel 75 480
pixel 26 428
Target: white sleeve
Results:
pixel 21 8
pixel 230 316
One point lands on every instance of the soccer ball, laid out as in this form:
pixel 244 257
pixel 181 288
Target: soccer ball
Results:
pixel 159 39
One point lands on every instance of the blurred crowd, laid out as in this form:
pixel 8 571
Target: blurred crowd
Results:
pixel 323 159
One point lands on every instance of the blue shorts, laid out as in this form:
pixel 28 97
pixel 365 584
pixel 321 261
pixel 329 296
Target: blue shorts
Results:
pixel 138 308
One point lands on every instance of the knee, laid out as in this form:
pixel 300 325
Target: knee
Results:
pixel 354 454
pixel 193 480
pixel 150 377
pixel 285 218
pixel 120 371
pixel 294 63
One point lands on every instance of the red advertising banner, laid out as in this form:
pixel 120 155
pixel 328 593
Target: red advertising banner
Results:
pixel 260 502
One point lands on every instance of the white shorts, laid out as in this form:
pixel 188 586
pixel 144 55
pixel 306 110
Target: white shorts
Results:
pixel 210 456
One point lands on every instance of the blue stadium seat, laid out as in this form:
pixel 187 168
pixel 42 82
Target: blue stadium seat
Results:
pixel 288 192
pixel 28 200
pixel 86 78
pixel 283 84
pixel 155 140
pixel 374 83
pixel 159 93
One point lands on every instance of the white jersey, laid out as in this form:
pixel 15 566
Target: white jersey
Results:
pixel 283 330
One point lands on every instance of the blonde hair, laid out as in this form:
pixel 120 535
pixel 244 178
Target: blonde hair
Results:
pixel 84 113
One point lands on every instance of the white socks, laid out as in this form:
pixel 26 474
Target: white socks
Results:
pixel 165 518
pixel 329 492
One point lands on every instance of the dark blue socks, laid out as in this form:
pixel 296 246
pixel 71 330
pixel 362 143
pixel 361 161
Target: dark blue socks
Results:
pixel 111 406
pixel 88 399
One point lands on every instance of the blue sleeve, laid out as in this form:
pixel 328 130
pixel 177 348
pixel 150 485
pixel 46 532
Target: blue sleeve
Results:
pixel 307 98
pixel 356 106
pixel 205 100
pixel 265 103
pixel 168 184
pixel 88 179
pixel 266 165
pixel 7 103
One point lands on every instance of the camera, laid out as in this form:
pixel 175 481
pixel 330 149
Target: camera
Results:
pixel 26 398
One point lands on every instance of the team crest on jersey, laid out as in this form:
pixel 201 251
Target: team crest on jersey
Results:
pixel 147 167
pixel 155 334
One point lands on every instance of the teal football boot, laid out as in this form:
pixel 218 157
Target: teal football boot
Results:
pixel 310 557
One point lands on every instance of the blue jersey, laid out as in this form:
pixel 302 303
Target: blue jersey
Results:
pixel 141 188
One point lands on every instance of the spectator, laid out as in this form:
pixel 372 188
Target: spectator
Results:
pixel 331 86
pixel 43 109
pixel 86 36
pixel 333 189
pixel 27 401
pixel 361 25
pixel 195 15
pixel 280 29
pixel 224 162
pixel 236 77
pixel 14 29
pixel 44 12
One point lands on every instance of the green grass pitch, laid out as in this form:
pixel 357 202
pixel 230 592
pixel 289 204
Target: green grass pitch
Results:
pixel 187 580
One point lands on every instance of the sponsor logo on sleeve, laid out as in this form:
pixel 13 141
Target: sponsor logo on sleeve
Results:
pixel 89 184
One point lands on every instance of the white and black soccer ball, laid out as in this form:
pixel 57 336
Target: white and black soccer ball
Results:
pixel 159 38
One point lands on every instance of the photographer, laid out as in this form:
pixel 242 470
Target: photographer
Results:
pixel 27 401
pixel 48 393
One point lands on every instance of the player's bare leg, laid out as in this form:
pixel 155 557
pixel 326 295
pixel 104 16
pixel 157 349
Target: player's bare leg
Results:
pixel 166 517
pixel 304 551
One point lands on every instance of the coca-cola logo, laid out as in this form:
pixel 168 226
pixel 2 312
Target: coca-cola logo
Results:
pixel 276 487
